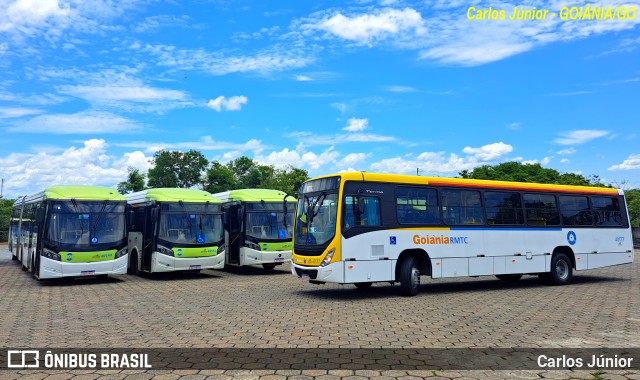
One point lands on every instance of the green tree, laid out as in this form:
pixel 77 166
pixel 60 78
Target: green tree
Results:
pixel 177 169
pixel 134 182
pixel 519 172
pixel 219 178
pixel 5 214
pixel 288 180
pixel 633 205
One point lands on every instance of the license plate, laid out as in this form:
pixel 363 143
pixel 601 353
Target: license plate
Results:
pixel 279 259
pixel 305 277
pixel 88 272
pixel 194 266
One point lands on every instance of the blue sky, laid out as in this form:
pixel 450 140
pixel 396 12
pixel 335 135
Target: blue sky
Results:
pixel 89 88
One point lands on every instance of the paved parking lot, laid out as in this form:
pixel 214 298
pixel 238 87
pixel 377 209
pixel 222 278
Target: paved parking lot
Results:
pixel 251 308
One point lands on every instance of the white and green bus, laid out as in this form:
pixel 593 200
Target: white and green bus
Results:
pixel 67 231
pixel 258 226
pixel 175 229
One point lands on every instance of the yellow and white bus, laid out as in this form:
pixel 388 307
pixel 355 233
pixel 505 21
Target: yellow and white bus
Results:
pixel 258 226
pixel 175 229
pixel 67 231
pixel 360 228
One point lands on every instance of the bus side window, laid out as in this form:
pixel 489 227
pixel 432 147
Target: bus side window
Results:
pixel 369 217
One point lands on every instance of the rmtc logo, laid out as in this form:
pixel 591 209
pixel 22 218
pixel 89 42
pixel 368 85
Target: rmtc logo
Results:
pixel 430 239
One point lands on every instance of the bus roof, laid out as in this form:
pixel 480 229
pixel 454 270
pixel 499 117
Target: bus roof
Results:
pixel 78 192
pixel 472 183
pixel 166 194
pixel 253 195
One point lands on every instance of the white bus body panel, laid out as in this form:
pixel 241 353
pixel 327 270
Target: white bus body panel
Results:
pixel 56 269
pixel 165 263
pixel 475 251
pixel 249 256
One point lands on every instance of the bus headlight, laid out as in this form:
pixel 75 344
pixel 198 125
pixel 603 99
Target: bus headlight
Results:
pixel 121 253
pixel 220 250
pixel 51 255
pixel 164 250
pixel 328 257
pixel 252 245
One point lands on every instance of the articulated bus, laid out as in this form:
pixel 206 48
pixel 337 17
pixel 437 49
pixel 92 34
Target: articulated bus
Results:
pixel 360 228
pixel 175 229
pixel 258 226
pixel 67 231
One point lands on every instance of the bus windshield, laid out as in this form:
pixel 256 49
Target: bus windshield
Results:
pixel 316 219
pixel 86 223
pixel 191 225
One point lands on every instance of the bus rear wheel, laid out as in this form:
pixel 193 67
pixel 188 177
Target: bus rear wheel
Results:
pixel 508 277
pixel 561 270
pixel 409 276
pixel 268 266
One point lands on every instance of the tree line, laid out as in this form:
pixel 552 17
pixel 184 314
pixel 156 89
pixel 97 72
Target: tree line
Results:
pixel 192 169
pixel 189 169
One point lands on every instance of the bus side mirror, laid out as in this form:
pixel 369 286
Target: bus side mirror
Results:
pixel 40 215
pixel 131 215
pixel 154 214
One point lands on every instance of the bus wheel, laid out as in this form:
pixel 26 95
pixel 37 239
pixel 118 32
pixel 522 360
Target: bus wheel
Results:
pixel 409 277
pixel 561 270
pixel 509 277
pixel 363 285
pixel 133 264
pixel 268 266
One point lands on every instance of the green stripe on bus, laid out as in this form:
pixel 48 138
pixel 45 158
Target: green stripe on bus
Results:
pixel 195 252
pixel 283 246
pixel 87 257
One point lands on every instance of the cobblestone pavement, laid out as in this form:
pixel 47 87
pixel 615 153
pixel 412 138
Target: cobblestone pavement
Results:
pixel 251 308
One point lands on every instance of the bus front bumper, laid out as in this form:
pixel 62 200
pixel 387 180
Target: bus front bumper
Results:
pixel 250 256
pixel 165 263
pixel 56 269
pixel 333 272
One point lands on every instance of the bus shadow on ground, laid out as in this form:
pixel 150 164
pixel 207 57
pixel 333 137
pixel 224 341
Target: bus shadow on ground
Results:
pixel 82 281
pixel 179 275
pixel 254 270
pixel 434 287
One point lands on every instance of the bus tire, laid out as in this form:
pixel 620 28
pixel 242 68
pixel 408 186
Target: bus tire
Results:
pixel 268 266
pixel 409 276
pixel 363 285
pixel 561 270
pixel 133 264
pixel 508 277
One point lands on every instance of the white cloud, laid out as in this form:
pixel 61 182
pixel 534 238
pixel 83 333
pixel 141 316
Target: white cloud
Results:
pixel 367 27
pixel 580 136
pixel 107 94
pixel 206 143
pixel 489 152
pixel 15 112
pixel 514 126
pixel 89 164
pixel 565 160
pixel 630 163
pixel 440 163
pixel 340 107
pixel 27 14
pixel 233 103
pixel 88 122
pixel 570 150
pixel 303 78
pixel 356 125
pixel 353 159
pixel 274 59
pixel 401 89
pixel 299 158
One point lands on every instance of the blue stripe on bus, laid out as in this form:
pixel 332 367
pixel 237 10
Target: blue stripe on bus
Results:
pixel 507 228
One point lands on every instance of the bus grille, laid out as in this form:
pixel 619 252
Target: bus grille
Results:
pixel 312 273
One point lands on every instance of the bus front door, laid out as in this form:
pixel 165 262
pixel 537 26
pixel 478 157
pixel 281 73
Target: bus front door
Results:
pixel 235 233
